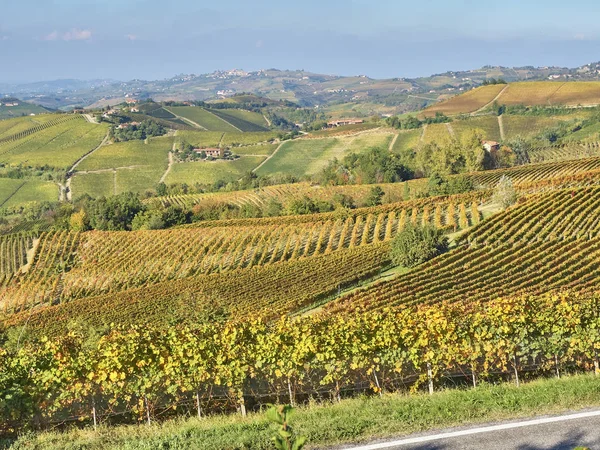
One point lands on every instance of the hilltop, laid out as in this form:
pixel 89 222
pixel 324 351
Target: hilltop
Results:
pixel 342 94
pixel 13 107
pixel 530 93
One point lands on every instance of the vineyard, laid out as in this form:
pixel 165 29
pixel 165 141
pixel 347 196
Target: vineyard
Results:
pixel 547 243
pixel 143 372
pixel 203 118
pixel 564 152
pixel 303 157
pixel 271 290
pixel 15 193
pixel 529 93
pixel 58 142
pixel 208 172
pixel 468 102
pixel 13 253
pixel 527 178
pixel 75 265
pixel 537 172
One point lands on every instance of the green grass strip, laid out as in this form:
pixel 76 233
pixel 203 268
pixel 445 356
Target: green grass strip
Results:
pixel 352 420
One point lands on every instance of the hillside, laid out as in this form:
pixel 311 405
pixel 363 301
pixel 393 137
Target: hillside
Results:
pixel 162 259
pixel 534 93
pixel 13 107
pixel 341 95
pixel 179 265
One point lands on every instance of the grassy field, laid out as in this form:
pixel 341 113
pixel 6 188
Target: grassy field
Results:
pixel 23 109
pixel 407 140
pixel 201 138
pixel 212 171
pixel 17 192
pixel 58 145
pixel 436 132
pixel 132 153
pixel 203 118
pixel 468 102
pixel 238 119
pixel 138 179
pixel 352 420
pixel 249 138
pixel 527 125
pixel 488 125
pixel 304 157
pixel 264 149
pixel 248 116
pixel 94 184
pixel 34 191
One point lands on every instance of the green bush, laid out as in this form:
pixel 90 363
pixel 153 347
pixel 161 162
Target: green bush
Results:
pixel 417 244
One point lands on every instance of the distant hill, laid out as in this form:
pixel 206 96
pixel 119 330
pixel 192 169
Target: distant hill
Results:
pixel 11 107
pixel 530 93
pixel 333 94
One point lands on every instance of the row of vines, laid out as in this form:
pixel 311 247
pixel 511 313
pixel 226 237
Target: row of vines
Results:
pixel 75 265
pixel 145 372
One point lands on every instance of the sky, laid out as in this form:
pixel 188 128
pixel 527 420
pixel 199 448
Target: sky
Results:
pixel 155 39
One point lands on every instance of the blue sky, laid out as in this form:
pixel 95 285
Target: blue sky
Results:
pixel 150 39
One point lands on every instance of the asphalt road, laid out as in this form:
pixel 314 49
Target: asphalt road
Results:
pixel 548 433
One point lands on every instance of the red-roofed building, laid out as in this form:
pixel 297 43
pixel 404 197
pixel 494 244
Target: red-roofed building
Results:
pixel 491 146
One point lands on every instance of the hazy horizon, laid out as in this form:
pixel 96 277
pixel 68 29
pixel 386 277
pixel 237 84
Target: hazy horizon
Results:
pixel 146 39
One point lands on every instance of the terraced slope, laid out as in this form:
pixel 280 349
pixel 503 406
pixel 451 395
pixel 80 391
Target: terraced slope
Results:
pixel 549 242
pixel 75 265
pixel 58 142
pixel 270 290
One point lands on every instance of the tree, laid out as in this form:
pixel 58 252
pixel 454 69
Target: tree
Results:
pixel 417 244
pixel 344 200
pixel 161 189
pixel 273 208
pixel 113 213
pixel 79 221
pixel 375 196
pixel 505 193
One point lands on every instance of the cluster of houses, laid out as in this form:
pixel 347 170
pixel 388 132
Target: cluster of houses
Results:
pixel 341 122
pixel 10 104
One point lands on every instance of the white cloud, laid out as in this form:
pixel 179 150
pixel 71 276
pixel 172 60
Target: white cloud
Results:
pixel 77 35
pixel 74 34
pixel 51 37
pixel 131 37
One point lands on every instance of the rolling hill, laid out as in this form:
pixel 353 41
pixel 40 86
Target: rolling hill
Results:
pixel 530 93
pixel 13 107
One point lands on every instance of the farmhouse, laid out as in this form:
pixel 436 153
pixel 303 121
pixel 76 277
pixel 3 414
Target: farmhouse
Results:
pixel 491 145
pixel 127 125
pixel 131 101
pixel 340 122
pixel 214 152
